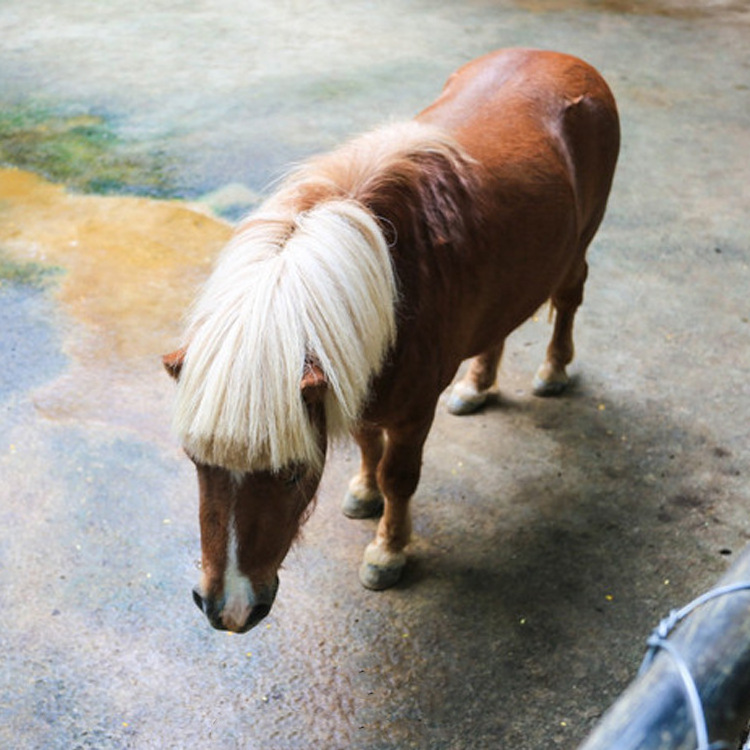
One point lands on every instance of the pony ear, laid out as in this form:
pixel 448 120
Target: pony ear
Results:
pixel 173 362
pixel 313 384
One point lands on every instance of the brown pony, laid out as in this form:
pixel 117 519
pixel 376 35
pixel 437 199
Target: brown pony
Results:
pixel 346 303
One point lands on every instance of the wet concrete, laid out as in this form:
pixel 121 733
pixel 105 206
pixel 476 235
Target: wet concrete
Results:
pixel 550 535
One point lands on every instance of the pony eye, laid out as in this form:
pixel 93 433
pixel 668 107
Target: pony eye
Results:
pixel 293 477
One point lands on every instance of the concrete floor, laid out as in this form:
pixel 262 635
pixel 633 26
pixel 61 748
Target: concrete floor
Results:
pixel 550 535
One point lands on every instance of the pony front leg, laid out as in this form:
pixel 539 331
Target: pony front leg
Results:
pixel 364 499
pixel 398 477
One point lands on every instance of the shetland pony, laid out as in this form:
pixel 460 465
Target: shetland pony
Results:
pixel 346 303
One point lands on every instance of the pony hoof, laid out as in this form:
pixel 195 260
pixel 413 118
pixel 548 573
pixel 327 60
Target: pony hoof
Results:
pixel 381 570
pixel 549 383
pixel 465 400
pixel 362 507
pixel 375 578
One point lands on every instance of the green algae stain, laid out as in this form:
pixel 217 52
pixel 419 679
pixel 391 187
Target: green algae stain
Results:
pixel 32 275
pixel 83 151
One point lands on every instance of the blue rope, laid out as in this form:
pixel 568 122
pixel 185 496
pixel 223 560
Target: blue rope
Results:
pixel 658 640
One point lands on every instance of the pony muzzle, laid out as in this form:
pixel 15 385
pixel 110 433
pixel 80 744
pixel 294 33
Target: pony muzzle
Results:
pixel 224 615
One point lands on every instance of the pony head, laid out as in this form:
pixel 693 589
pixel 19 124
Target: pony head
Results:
pixel 283 341
pixel 249 520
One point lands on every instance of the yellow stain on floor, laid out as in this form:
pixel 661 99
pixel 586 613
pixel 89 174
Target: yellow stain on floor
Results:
pixel 130 269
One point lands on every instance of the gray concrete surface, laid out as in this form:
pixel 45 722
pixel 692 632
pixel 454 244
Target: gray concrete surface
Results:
pixel 550 535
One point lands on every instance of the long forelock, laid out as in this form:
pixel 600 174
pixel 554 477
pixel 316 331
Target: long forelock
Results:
pixel 310 275
pixel 286 288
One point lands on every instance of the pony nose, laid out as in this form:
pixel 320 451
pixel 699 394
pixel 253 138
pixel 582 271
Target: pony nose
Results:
pixel 257 613
pixel 198 599
pixel 208 606
pixel 200 602
pixel 212 608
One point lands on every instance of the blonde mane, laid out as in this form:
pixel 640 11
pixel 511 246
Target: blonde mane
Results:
pixel 308 276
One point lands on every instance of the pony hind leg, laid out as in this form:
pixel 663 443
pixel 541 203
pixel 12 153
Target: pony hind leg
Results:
pixel 551 378
pixel 470 393
pixel 364 499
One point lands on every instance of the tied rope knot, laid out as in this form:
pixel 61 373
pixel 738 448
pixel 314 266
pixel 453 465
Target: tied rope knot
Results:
pixel 664 628
pixel 658 640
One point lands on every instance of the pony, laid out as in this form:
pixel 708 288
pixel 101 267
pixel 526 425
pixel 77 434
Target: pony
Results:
pixel 345 304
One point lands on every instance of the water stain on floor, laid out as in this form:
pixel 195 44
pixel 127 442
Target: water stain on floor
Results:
pixel 129 267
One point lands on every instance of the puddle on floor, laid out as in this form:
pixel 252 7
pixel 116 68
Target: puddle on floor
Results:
pixel 128 269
